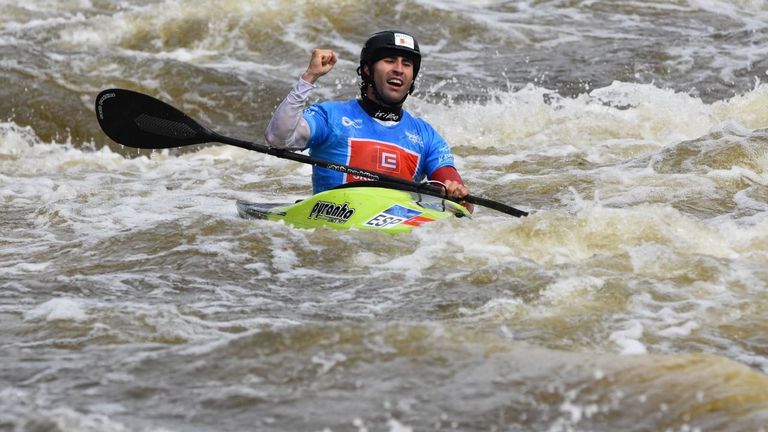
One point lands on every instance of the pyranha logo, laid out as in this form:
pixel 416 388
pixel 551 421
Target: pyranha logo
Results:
pixel 331 212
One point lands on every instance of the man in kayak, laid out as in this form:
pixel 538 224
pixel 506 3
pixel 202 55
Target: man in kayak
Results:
pixel 374 132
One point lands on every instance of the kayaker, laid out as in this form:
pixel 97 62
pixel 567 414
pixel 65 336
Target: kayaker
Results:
pixel 374 132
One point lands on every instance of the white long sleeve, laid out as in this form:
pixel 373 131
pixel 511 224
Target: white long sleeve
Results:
pixel 287 128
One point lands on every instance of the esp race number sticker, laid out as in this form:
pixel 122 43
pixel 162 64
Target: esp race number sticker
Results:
pixel 392 216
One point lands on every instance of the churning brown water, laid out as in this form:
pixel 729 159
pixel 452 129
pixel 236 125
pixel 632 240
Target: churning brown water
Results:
pixel 634 298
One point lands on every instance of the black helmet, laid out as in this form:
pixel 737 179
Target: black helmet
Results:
pixel 388 42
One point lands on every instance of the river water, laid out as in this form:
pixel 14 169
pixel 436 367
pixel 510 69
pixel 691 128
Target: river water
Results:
pixel 633 298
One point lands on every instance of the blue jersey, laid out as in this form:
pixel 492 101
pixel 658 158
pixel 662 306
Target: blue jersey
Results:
pixel 342 132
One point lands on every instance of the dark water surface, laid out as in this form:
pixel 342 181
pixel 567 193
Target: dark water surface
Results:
pixel 633 298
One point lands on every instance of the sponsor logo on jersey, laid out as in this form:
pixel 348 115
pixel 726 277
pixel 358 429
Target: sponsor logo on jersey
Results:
pixel 348 122
pixel 331 212
pixel 388 160
pixel 381 157
pixel 445 154
pixel 414 138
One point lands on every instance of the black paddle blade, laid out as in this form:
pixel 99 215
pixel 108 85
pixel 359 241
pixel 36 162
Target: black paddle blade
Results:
pixel 136 120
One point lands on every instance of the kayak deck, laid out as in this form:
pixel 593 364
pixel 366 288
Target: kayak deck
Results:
pixel 356 206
